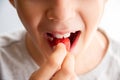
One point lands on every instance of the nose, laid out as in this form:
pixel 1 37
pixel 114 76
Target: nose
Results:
pixel 60 10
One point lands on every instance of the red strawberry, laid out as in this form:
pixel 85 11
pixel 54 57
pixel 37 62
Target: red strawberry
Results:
pixel 65 41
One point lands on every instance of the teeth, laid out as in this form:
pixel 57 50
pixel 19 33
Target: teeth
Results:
pixel 73 31
pixel 58 36
pixel 62 36
pixel 66 35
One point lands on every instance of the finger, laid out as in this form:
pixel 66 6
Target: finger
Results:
pixel 51 66
pixel 74 77
pixel 67 70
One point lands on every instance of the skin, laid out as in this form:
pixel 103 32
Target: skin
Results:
pixel 62 16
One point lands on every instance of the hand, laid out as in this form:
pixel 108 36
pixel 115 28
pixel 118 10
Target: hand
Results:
pixel 60 66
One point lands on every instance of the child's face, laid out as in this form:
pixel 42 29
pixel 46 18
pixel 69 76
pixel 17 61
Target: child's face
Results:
pixel 43 18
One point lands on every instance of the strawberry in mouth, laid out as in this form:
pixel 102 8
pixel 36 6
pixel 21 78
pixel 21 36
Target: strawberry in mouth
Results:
pixel 69 39
pixel 65 41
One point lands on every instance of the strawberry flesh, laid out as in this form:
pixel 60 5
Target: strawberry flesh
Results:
pixel 65 41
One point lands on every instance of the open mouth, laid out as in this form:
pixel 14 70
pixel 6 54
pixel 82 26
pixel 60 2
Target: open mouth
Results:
pixel 69 39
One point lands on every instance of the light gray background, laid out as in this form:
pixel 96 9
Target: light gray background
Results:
pixel 10 22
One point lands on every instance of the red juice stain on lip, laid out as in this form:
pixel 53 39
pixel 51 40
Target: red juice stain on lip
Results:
pixel 65 41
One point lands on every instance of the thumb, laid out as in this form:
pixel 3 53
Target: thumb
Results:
pixel 60 47
pixel 58 55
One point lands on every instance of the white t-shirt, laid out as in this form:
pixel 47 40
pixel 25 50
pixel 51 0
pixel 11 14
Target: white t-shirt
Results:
pixel 17 64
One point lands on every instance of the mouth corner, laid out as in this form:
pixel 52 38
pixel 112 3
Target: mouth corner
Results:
pixel 74 37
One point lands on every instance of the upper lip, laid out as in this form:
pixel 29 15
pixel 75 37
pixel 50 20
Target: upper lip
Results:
pixel 63 32
pixel 60 34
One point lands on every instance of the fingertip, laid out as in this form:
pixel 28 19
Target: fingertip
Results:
pixel 74 77
pixel 60 46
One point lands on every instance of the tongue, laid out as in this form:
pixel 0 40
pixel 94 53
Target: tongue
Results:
pixel 65 41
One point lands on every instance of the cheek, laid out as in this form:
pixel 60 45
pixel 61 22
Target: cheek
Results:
pixel 91 15
pixel 29 18
pixel 30 15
